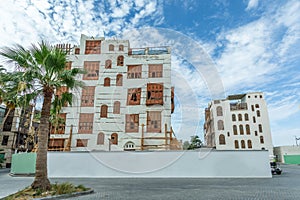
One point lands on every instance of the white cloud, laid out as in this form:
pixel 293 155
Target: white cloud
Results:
pixel 252 4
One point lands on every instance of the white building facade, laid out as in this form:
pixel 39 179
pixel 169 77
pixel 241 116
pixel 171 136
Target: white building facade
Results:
pixel 126 103
pixel 239 122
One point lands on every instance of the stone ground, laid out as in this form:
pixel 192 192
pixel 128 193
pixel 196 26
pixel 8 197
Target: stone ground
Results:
pixel 285 186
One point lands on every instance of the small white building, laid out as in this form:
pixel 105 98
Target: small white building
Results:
pixel 127 100
pixel 239 122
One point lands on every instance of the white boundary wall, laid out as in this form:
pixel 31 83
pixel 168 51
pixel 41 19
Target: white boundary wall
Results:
pixel 205 163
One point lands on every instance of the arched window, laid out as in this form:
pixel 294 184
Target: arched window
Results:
pixel 119 80
pixel 234 130
pixel 241 129
pixel 222 139
pixel 254 120
pixel 219 111
pixel 220 125
pixel 236 144
pixel 104 111
pixel 114 138
pixel 121 47
pixel 249 144
pixel 129 146
pixel 233 117
pixel 243 144
pixel 116 107
pixel 252 107
pixel 100 139
pixel 256 106
pixel 261 138
pixel 107 64
pixel 120 61
pixel 111 47
pixel 106 82
pixel 247 129
pixel 240 117
pixel 258 113
pixel 246 117
pixel 260 128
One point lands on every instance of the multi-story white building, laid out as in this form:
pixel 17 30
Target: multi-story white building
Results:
pixel 239 122
pixel 127 100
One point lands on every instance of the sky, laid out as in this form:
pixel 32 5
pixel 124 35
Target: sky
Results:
pixel 219 47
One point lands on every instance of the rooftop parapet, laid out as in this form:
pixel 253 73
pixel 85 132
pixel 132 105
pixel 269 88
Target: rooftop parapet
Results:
pixel 149 51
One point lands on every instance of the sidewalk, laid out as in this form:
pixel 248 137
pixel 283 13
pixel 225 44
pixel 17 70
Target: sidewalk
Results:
pixel 9 185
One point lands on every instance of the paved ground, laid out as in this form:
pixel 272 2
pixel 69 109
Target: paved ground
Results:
pixel 285 186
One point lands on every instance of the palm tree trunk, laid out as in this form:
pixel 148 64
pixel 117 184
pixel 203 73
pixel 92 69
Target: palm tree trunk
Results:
pixel 41 180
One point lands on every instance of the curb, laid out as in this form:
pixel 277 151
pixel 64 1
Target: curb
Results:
pixel 76 194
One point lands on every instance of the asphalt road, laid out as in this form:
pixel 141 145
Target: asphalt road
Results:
pixel 285 186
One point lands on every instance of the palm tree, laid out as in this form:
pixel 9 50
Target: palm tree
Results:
pixel 11 92
pixel 44 72
pixel 57 104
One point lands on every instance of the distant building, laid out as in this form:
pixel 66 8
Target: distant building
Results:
pixel 287 154
pixel 127 101
pixel 239 122
pixel 15 132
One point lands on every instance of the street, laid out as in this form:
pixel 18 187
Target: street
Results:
pixel 285 186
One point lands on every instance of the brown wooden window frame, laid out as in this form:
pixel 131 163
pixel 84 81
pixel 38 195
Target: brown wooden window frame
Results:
pixel 249 144
pixel 243 144
pixel 261 139
pixel 108 64
pixel 81 142
pixel 234 127
pixel 154 121
pixel 222 140
pixel 104 111
pixel 155 94
pixel 260 128
pixel 92 47
pixel 134 71
pixel 258 113
pixel 236 144
pixel 134 96
pixel 106 82
pixel 119 80
pixel 241 129
pixel 92 68
pixel 86 121
pixel 120 61
pixel 132 123
pixel 111 47
pixel 100 138
pixel 240 117
pixel 121 47
pixel 246 117
pixel 248 132
pixel 117 107
pixel 233 117
pixel 87 96
pixel 220 125
pixel 77 51
pixel 155 70
pixel 114 138
pixel 219 111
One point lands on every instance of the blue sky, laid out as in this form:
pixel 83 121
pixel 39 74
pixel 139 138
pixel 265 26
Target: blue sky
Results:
pixel 250 45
